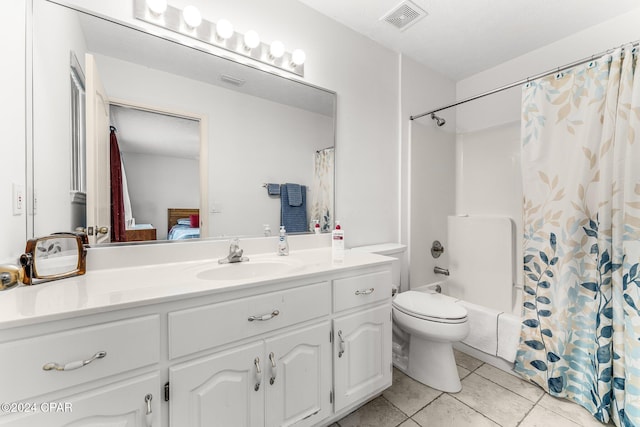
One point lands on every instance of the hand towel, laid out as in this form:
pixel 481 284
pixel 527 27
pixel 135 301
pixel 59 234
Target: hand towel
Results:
pixel 483 327
pixel 294 218
pixel 294 193
pixel 508 336
pixel 273 189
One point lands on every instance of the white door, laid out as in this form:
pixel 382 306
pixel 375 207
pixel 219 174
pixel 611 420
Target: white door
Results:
pixel 361 354
pixel 98 155
pixel 132 403
pixel 298 377
pixel 225 389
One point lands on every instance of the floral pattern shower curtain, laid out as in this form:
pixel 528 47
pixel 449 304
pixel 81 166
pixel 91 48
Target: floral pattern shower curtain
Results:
pixel 322 191
pixel 580 335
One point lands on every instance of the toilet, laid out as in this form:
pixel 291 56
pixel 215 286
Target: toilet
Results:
pixel 434 322
pixel 428 323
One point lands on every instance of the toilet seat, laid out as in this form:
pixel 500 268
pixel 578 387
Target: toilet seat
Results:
pixel 427 306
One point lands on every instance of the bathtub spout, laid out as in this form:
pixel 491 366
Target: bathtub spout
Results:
pixel 440 270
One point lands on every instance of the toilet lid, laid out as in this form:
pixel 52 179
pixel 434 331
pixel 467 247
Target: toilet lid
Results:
pixel 429 306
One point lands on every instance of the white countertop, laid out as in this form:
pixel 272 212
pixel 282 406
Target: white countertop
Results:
pixel 117 288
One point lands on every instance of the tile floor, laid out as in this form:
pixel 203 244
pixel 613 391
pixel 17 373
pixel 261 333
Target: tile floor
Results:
pixel 489 397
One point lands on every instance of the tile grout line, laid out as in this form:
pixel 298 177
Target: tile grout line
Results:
pixel 475 410
pixel 515 392
pixel 401 411
pixel 531 409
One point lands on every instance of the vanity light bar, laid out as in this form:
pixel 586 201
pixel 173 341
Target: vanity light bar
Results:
pixel 174 19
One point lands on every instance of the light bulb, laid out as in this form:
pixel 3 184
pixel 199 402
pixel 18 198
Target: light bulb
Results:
pixel 157 7
pixel 251 39
pixel 192 16
pixel 298 57
pixel 224 29
pixel 276 50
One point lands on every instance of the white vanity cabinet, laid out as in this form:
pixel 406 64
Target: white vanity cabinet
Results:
pixel 279 381
pixel 298 350
pixel 362 353
pixel 51 379
pixel 281 373
pixel 129 403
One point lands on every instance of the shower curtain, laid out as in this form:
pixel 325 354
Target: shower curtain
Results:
pixel 580 336
pixel 118 233
pixel 322 191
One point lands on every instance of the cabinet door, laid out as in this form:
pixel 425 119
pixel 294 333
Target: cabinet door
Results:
pixel 225 389
pixel 362 355
pixel 122 404
pixel 298 377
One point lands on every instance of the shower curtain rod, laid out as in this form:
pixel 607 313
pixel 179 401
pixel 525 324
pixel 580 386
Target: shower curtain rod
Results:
pixel 524 81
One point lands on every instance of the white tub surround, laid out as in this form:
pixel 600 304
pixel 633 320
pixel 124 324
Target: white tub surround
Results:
pixel 282 347
pixel 482 267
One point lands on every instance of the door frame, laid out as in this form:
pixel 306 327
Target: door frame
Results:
pixel 204 149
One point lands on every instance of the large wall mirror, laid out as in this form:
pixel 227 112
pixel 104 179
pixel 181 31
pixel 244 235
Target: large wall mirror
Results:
pixel 197 134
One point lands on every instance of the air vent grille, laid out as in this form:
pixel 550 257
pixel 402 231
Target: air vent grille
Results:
pixel 404 15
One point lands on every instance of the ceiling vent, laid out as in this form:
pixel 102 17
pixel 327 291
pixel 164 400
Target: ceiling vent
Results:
pixel 404 15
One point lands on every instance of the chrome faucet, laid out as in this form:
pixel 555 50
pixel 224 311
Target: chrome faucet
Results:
pixel 440 270
pixel 235 253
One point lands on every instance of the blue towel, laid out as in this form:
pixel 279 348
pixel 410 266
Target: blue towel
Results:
pixel 273 189
pixel 294 193
pixel 294 218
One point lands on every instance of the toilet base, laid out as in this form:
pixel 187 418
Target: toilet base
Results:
pixel 432 363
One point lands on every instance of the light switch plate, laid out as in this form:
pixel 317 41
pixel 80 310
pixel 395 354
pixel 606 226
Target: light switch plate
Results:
pixel 18 199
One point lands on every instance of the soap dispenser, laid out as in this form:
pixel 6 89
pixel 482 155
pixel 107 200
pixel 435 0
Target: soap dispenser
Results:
pixel 283 244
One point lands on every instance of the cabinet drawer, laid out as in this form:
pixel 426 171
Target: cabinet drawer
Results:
pixel 120 404
pixel 129 344
pixel 356 291
pixel 209 326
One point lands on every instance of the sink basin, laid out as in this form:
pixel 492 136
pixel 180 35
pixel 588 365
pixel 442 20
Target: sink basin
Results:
pixel 251 269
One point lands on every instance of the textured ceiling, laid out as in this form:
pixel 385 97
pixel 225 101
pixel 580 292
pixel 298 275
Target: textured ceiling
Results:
pixel 459 38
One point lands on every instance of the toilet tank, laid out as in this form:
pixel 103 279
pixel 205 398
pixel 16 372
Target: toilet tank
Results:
pixel 393 250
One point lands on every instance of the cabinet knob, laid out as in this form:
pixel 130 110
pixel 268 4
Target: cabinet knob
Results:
pixel 149 412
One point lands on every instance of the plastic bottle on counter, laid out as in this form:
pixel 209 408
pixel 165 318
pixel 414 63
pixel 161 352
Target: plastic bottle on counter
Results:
pixel 283 244
pixel 337 243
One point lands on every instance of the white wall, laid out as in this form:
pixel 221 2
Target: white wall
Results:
pixel 364 74
pixel 427 163
pixel 267 142
pixel 56 33
pixel 157 183
pixel 433 189
pixel 488 145
pixel 12 147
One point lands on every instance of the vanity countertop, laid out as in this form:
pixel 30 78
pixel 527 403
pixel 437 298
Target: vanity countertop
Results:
pixel 119 288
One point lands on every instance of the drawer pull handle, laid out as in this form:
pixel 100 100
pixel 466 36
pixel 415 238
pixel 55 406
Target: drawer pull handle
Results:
pixel 274 369
pixel 73 365
pixel 341 352
pixel 271 315
pixel 148 414
pixel 256 362
pixel 365 291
